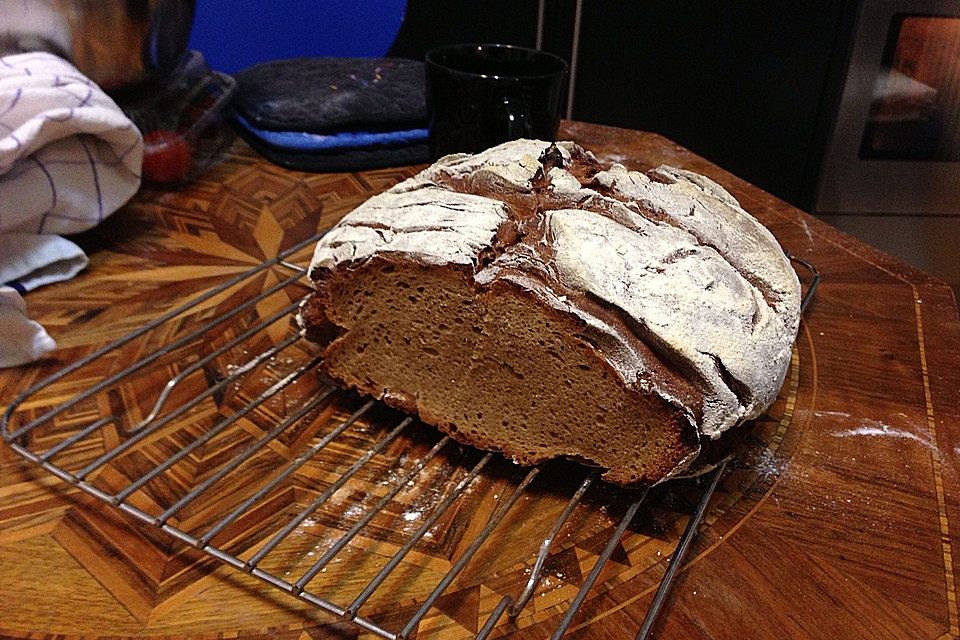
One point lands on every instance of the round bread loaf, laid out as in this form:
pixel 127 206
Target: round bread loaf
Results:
pixel 528 300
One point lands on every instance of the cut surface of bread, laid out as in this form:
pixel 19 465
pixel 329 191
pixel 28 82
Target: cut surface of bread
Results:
pixel 497 370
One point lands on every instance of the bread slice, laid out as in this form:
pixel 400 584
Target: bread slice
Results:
pixel 526 300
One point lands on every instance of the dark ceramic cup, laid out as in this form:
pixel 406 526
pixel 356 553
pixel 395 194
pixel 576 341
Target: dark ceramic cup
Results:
pixel 479 95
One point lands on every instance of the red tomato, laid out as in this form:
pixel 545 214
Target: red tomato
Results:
pixel 166 157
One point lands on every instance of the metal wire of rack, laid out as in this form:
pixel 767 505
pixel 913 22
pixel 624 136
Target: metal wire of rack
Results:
pixel 198 382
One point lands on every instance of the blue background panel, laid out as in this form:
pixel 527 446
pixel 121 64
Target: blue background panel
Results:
pixel 233 34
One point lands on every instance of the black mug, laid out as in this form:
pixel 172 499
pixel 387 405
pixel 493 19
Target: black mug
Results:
pixel 479 95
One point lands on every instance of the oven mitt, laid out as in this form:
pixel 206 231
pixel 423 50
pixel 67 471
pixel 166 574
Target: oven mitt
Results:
pixel 330 95
pixel 334 114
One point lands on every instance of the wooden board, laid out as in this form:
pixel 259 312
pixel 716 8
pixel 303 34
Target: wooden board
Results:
pixel 839 517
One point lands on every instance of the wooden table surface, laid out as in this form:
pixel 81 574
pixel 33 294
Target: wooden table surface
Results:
pixel 839 517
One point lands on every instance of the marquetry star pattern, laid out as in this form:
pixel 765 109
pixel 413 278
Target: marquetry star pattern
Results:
pixel 147 583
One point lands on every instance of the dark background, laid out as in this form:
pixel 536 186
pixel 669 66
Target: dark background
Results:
pixel 751 85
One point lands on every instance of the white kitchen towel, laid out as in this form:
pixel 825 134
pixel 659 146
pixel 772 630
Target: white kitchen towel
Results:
pixel 28 261
pixel 21 339
pixel 69 157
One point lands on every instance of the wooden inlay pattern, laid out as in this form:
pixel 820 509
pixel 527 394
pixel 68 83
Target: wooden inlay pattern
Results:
pixel 833 521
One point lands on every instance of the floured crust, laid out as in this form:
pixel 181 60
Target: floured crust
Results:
pixel 677 284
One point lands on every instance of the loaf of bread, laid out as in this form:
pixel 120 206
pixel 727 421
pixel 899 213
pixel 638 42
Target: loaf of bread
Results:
pixel 527 300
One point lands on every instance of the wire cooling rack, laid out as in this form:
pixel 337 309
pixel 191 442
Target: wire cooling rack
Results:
pixel 228 372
